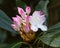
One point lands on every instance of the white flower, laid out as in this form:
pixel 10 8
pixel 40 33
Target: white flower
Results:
pixel 37 20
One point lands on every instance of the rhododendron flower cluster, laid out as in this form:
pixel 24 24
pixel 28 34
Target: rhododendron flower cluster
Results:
pixel 22 22
pixel 28 23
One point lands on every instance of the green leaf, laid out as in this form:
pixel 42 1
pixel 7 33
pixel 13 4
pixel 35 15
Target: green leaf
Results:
pixel 16 45
pixel 55 26
pixel 5 22
pixel 42 5
pixel 21 4
pixel 3 35
pixel 1 1
pixel 52 36
pixel 3 45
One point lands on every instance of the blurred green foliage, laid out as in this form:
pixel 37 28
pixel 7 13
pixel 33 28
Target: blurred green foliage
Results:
pixel 5 22
pixel 1 1
pixel 3 35
pixel 21 4
pixel 52 36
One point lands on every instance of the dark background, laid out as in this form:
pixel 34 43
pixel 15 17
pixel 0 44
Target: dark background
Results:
pixel 9 6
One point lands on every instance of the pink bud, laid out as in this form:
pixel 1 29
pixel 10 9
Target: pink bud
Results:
pixel 14 26
pixel 21 11
pixel 18 18
pixel 28 10
pixel 16 21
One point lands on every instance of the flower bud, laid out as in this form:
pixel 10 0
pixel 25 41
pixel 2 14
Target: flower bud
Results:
pixel 21 12
pixel 28 10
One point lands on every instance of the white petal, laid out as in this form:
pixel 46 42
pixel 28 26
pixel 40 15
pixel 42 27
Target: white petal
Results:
pixel 36 13
pixel 42 19
pixel 36 18
pixel 33 20
pixel 34 28
pixel 43 27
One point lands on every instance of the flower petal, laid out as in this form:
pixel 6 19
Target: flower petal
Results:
pixel 26 28
pixel 27 18
pixel 36 13
pixel 32 20
pixel 21 12
pixel 42 19
pixel 40 12
pixel 14 26
pixel 19 18
pixel 43 27
pixel 16 21
pixel 28 10
pixel 34 28
pixel 36 18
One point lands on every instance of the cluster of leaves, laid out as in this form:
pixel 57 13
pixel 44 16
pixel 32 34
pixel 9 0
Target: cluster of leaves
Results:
pixel 50 37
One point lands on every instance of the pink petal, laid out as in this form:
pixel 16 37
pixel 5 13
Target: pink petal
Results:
pixel 28 10
pixel 18 17
pixel 40 12
pixel 21 11
pixel 15 20
pixel 14 26
pixel 27 18
pixel 26 28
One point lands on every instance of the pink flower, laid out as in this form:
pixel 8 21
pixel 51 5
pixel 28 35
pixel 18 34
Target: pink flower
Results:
pixel 21 21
